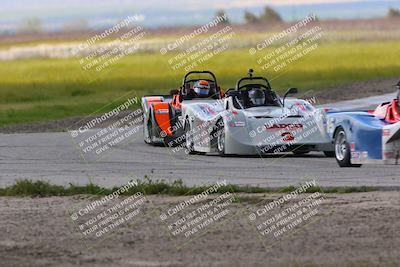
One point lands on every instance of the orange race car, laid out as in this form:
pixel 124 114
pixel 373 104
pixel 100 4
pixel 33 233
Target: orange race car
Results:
pixel 162 121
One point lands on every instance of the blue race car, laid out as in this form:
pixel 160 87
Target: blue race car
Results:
pixel 367 136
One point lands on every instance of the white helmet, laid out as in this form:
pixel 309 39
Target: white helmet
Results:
pixel 202 88
pixel 257 96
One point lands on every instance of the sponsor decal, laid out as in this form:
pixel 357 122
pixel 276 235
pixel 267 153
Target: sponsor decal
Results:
pixel 389 154
pixel 288 126
pixel 386 132
pixel 287 137
pixel 359 155
pixel 352 146
pixel 237 124
pixel 301 106
pixel 162 111
pixel 364 154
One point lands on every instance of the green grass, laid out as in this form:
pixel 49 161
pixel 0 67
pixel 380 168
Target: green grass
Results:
pixel 42 89
pixel 176 188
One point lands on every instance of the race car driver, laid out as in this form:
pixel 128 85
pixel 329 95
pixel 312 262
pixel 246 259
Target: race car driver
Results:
pixel 201 88
pixel 257 97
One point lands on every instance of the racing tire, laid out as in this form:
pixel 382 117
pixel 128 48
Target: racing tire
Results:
pixel 189 142
pixel 150 130
pixel 148 126
pixel 329 154
pixel 342 149
pixel 220 143
pixel 147 139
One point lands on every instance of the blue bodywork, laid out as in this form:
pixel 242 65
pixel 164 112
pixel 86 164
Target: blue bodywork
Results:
pixel 363 132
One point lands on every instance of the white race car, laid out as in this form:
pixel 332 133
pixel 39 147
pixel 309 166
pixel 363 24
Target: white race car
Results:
pixel 252 119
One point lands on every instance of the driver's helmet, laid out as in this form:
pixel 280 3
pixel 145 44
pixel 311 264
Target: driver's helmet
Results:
pixel 256 96
pixel 201 88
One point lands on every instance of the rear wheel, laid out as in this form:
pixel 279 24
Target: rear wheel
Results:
pixel 342 150
pixel 148 131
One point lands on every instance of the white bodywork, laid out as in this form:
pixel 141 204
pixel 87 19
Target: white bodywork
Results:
pixel 257 130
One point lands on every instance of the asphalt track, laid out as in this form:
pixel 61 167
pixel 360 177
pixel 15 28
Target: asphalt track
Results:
pixel 54 157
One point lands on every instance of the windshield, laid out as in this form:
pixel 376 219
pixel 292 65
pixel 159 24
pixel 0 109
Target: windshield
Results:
pixel 257 96
pixel 195 89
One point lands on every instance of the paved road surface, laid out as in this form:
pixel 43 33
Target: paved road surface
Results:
pixel 54 157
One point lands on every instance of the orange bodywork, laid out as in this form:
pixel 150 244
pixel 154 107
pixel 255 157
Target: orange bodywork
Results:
pixel 176 103
pixel 153 99
pixel 222 92
pixel 161 114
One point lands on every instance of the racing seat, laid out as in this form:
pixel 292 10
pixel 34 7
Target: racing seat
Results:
pixel 245 100
pixel 187 92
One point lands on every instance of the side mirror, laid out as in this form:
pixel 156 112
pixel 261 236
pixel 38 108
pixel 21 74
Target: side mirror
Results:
pixel 290 91
pixel 398 86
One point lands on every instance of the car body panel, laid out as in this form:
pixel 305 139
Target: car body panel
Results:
pixel 371 137
pixel 162 114
pixel 246 131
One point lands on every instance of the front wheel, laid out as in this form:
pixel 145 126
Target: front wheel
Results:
pixel 221 138
pixel 189 139
pixel 342 150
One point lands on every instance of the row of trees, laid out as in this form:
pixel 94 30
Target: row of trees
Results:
pixel 393 13
pixel 270 15
pixel 34 25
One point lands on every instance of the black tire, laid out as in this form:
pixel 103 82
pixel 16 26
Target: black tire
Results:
pixel 148 139
pixel 189 143
pixel 220 143
pixel 148 126
pixel 329 154
pixel 151 130
pixel 342 149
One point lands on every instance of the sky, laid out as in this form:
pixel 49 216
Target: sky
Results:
pixel 102 13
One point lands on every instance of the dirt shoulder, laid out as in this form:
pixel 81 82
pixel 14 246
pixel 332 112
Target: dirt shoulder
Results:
pixel 357 90
pixel 361 229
